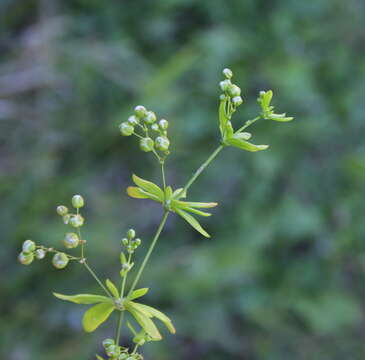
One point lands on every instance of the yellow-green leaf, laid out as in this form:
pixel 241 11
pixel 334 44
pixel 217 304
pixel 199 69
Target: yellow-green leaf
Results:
pixel 138 193
pixel 192 221
pixel 149 187
pixel 83 298
pixel 194 204
pixel 245 145
pixel 179 193
pixel 112 288
pixel 138 293
pixel 96 315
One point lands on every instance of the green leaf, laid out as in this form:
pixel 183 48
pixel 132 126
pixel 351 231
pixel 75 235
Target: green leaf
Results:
pixel 222 117
pixel 280 117
pixel 96 315
pixel 99 357
pixel 131 328
pixel 152 312
pixel 168 193
pixel 179 193
pixel 138 293
pixel 192 221
pixel 123 259
pixel 196 211
pixel 83 298
pixel 242 135
pixel 138 193
pixel 112 288
pixel 149 187
pixel 195 204
pixel 245 145
pixel 146 323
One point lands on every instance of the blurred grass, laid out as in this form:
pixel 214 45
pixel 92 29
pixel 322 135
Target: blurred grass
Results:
pixel 282 277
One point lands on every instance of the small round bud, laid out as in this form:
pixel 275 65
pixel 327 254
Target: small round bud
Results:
pixel 227 73
pixel 150 117
pixel 60 260
pixel 133 120
pixel 234 90
pixel 113 350
pixel 262 93
pixel 146 144
pixel 162 143
pixel 76 221
pixel 137 242
pixel 71 240
pixel 225 84
pixel 108 342
pixel 40 254
pixel 77 201
pixel 62 210
pixel 155 127
pixel 130 249
pixel 131 234
pixel 140 111
pixel 163 124
pixel 237 100
pixel 28 246
pixel 125 241
pixel 25 258
pixel 126 129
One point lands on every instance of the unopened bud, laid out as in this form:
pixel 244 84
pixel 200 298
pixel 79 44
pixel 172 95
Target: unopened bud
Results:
pixel 133 120
pixel 25 258
pixel 77 201
pixel 108 342
pixel 150 117
pixel 76 221
pixel 60 260
pixel 126 129
pixel 234 90
pixel 28 246
pixel 163 124
pixel 140 111
pixel 227 73
pixel 62 210
pixel 131 234
pixel 237 100
pixel 162 143
pixel 146 144
pixel 40 254
pixel 71 240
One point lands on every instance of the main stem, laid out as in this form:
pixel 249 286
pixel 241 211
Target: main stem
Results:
pixel 149 252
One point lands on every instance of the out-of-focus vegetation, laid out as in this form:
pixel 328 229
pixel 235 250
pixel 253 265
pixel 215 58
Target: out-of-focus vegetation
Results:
pixel 283 275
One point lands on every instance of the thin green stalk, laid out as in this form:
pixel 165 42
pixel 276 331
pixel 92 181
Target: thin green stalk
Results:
pixel 248 123
pixel 202 167
pixel 120 318
pixel 97 279
pixel 163 174
pixel 149 252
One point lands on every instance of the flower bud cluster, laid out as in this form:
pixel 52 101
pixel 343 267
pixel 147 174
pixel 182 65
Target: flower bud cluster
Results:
pixel 230 90
pixel 130 243
pixel 75 220
pixel 116 352
pixel 146 121
pixel 29 252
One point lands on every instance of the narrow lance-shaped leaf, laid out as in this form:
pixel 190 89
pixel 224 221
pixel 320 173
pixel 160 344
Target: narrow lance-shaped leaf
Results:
pixel 148 186
pixel 179 194
pixel 96 315
pixel 245 145
pixel 83 298
pixel 280 117
pixel 138 293
pixel 138 193
pixel 192 221
pixel 112 288
pixel 195 204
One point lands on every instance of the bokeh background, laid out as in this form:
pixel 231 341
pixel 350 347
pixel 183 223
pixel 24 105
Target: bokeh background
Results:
pixel 283 275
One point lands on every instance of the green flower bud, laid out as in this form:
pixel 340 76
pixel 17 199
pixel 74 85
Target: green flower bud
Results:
pixel 163 124
pixel 108 342
pixel 66 218
pixel 76 221
pixel 234 90
pixel 133 120
pixel 162 143
pixel 155 127
pixel 225 85
pixel 40 254
pixel 28 246
pixel 125 241
pixel 227 73
pixel 60 260
pixel 25 258
pixel 71 240
pixel 140 111
pixel 62 210
pixel 222 97
pixel 237 100
pixel 150 117
pixel 131 234
pixel 130 249
pixel 126 129
pixel 139 339
pixel 146 144
pixel 77 201
pixel 113 350
pixel 137 242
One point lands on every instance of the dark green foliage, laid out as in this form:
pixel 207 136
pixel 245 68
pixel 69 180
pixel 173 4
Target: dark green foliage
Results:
pixel 283 275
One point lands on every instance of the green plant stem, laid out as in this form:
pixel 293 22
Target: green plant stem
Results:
pixel 120 317
pixel 97 279
pixel 149 252
pixel 248 123
pixel 202 167
pixel 163 174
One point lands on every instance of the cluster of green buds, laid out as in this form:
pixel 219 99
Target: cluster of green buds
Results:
pixel 141 124
pixel 131 243
pixel 31 251
pixel 231 91
pixel 75 220
pixel 116 352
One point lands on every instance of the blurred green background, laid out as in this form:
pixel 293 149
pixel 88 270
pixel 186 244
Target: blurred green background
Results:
pixel 283 275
